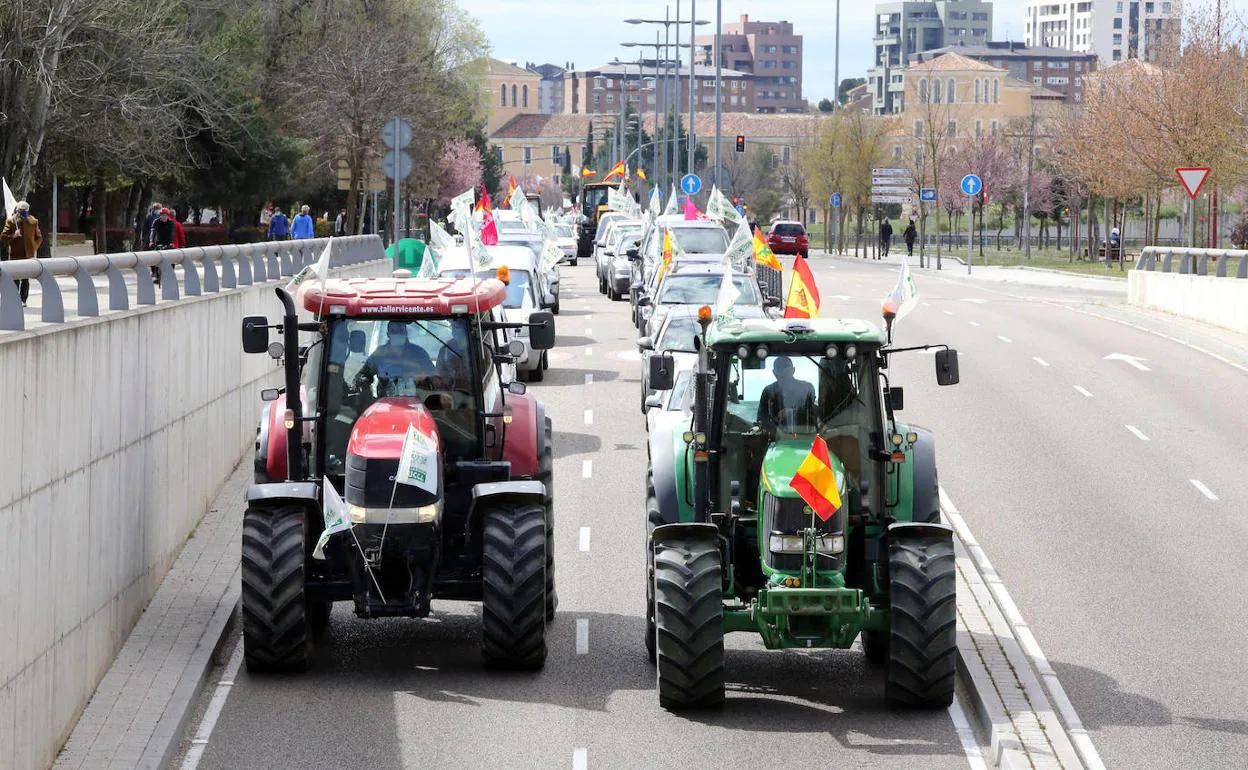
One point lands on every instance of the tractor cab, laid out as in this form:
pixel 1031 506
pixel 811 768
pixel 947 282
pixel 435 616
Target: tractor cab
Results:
pixel 399 403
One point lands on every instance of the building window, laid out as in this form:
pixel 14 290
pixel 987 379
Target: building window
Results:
pixel 785 155
pixel 733 99
pixel 528 156
pixel 977 90
pixel 979 129
pixel 937 87
pixel 1118 23
pixel 769 65
pixel 502 96
pixel 993 128
pixel 951 130
pixel 896 152
pixel 499 151
pixel 597 100
pixel 524 93
pixel 788 65
pixel 610 98
pixel 514 103
pixel 555 156
pixel 996 91
pixel 789 48
pixel 1117 55
pixel 918 129
pixel 950 91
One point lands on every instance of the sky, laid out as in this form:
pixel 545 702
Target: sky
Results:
pixel 589 33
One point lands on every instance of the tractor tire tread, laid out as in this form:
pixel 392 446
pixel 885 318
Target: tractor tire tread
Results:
pixel 922 640
pixel 277 634
pixel 689 621
pixel 513 606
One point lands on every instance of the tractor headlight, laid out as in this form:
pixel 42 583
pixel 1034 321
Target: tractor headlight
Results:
pixel 827 544
pixel 423 514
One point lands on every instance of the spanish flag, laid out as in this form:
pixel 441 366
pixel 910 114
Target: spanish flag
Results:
pixel 762 252
pixel 815 481
pixel 803 299
pixel 586 173
pixel 667 252
pixel 641 174
pixel 511 189
pixel 619 169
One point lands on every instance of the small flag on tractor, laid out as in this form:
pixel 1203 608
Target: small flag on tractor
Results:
pixel 418 466
pixel 618 170
pixel 904 296
pixel 691 211
pixel 816 482
pixel 511 190
pixel 762 252
pixel 586 173
pixel 489 230
pixel 641 174
pixel 334 511
pixel 803 299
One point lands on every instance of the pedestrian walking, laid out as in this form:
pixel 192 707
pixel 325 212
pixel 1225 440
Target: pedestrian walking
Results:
pixel 266 215
pixel 303 226
pixel 886 238
pixel 340 223
pixel 179 235
pixel 279 226
pixel 910 235
pixel 153 213
pixel 164 235
pixel 22 235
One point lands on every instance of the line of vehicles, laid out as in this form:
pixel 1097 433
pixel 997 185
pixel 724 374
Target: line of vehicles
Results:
pixel 404 460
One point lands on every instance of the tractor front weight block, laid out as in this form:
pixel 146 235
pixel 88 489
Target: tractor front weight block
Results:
pixel 804 617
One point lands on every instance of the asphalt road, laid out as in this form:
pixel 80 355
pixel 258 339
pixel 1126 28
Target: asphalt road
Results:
pixel 403 693
pixel 1090 483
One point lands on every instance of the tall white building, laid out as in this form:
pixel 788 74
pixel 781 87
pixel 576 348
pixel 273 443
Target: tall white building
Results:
pixel 1114 30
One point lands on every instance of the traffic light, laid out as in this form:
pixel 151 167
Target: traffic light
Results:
pixel 740 143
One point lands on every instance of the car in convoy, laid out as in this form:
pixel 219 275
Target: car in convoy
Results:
pixel 518 266
pixel 608 222
pixel 665 409
pixel 536 243
pixel 697 284
pixel 700 236
pixel 565 239
pixel 788 237
pixel 616 269
pixel 675 335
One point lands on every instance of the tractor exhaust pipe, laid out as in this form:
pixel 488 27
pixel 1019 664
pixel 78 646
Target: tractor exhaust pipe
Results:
pixel 294 433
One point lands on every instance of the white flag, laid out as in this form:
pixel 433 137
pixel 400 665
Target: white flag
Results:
pixel 656 204
pixel 440 239
pixel 672 206
pixel 728 294
pixel 517 200
pixel 418 463
pixel 10 202
pixel 334 510
pixel 720 208
pixel 428 264
pixel 741 248
pixel 904 296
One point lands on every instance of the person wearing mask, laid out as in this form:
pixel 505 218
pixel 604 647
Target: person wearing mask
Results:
pixel 303 227
pixel 340 223
pixel 22 236
pixel 395 367
pixel 910 235
pixel 279 226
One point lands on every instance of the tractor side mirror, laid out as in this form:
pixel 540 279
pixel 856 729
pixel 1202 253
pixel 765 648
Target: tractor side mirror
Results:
pixel 947 367
pixel 542 330
pixel 653 400
pixel 255 334
pixel 517 388
pixel 633 253
pixel 645 343
pixel 662 371
pixel 896 398
pixel 270 394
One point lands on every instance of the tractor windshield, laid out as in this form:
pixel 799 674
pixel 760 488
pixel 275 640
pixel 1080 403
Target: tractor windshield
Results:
pixel 368 359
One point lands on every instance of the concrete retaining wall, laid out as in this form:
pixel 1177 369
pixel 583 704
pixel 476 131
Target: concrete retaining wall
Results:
pixel 117 434
pixel 1219 301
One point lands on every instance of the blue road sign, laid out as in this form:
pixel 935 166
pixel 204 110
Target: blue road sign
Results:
pixel 927 194
pixel 836 200
pixel 691 183
pixel 971 184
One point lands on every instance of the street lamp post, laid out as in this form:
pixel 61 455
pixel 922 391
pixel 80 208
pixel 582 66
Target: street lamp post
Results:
pixel 693 54
pixel 719 84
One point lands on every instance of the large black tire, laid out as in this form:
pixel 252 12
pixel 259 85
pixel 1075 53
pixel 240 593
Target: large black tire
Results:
pixel 922 644
pixel 277 635
pixel 689 623
pixel 654 518
pixel 513 602
pixel 546 475
pixel 537 375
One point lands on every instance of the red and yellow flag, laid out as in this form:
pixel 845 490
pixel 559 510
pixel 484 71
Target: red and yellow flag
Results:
pixel 586 173
pixel 762 252
pixel 803 299
pixel 641 174
pixel 815 481
pixel 511 188
pixel 618 170
pixel 667 252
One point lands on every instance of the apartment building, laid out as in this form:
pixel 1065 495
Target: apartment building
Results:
pixel 1115 30
pixel 649 85
pixel 767 50
pixel 1056 69
pixel 905 29
pixel 510 90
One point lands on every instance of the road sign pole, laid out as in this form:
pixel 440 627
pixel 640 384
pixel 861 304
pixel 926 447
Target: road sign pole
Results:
pixel 394 217
pixel 970 230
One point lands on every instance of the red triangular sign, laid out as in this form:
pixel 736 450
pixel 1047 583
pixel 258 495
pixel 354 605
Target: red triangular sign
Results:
pixel 1193 179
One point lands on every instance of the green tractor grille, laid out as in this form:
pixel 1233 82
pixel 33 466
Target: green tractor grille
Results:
pixel 789 516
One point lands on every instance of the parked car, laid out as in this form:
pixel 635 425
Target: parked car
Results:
pixel 788 237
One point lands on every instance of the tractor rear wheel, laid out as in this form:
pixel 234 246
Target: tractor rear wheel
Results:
pixel 513 590
pixel 922 644
pixel 689 623
pixel 546 475
pixel 277 635
pixel 654 518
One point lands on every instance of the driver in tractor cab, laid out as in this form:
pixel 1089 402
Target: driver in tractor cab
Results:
pixel 788 402
pixel 395 367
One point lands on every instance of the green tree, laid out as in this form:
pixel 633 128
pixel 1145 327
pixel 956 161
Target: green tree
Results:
pixel 825 105
pixel 847 85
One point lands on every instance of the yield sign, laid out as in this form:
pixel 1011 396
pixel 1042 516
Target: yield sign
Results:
pixel 1192 179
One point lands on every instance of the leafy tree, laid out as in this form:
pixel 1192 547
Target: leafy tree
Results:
pixel 825 105
pixel 847 85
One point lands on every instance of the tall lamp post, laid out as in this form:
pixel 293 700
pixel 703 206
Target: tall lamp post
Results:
pixel 719 84
pixel 655 170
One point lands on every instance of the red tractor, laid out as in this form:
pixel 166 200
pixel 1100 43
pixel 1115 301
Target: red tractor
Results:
pixel 398 375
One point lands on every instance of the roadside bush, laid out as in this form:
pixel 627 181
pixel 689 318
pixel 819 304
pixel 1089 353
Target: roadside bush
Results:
pixel 1239 236
pixel 205 235
pixel 322 229
pixel 117 239
pixel 250 234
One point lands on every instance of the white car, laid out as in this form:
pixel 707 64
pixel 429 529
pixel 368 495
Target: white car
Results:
pixel 565 239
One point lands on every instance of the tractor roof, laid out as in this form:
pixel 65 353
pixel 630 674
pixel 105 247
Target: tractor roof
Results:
pixel 401 296
pixel 775 330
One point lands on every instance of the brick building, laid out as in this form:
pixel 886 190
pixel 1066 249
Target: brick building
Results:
pixel 769 51
pixel 1056 69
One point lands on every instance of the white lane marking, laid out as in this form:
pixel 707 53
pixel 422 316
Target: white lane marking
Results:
pixel 582 636
pixel 1040 360
pixel 587 469
pixel 927 304
pixel 200 742
pixel 589 416
pixel 1083 390
pixel 588 331
pixel 1132 360
pixel 589 379
pixel 966 736
pixel 1137 433
pixel 1022 632
pixel 973 323
pixel 1156 333
pixel 1003 339
pixel 585 539
pixel 1204 490
pixel 589 351
pixel 580 760
pixel 977 301
pixel 948 312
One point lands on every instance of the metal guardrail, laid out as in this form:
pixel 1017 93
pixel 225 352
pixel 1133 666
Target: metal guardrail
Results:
pixel 1191 261
pixel 205 269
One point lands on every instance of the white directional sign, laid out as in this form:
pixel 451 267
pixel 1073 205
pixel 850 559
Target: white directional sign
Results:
pixel 892 181
pixel 890 172
pixel 892 190
pixel 891 198
pixel 1132 360
pixel 1193 179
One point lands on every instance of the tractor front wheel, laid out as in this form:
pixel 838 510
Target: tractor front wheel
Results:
pixel 922 643
pixel 277 634
pixel 513 590
pixel 689 623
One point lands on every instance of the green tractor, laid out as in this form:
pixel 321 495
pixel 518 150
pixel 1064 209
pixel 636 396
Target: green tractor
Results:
pixel 733 547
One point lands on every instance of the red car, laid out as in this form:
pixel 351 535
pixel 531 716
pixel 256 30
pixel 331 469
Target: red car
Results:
pixel 786 237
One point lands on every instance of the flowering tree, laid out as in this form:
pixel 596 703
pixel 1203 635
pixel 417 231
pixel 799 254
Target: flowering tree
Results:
pixel 459 169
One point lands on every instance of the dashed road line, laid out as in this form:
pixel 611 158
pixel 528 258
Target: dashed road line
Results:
pixel 973 323
pixel 1040 360
pixel 1204 490
pixel 582 636
pixel 199 743
pixel 589 379
pixel 1137 433
pixel 580 759
pixel 1004 339
pixel 1083 391
pixel 589 351
pixel 584 544
pixel 589 416
pixel 587 469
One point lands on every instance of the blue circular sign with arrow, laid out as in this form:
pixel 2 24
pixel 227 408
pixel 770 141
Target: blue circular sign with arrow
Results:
pixel 691 184
pixel 972 184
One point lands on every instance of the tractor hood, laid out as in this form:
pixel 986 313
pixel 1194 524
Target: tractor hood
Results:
pixel 782 460
pixel 375 454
